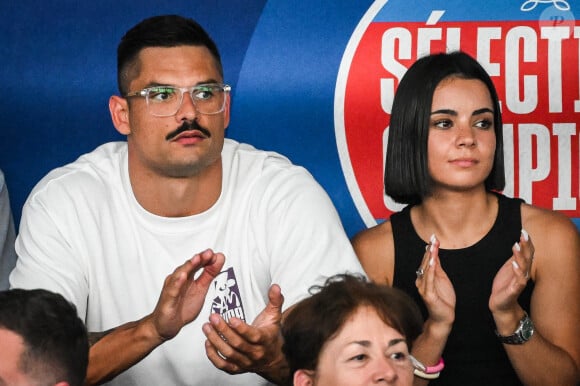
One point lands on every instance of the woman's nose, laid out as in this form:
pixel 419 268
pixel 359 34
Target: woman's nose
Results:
pixel 466 136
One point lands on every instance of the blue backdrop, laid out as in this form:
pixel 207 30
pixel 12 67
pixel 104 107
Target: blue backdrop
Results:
pixel 281 57
pixel 59 69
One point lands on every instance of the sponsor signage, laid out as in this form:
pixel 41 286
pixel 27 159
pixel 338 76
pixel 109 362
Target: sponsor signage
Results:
pixel 531 51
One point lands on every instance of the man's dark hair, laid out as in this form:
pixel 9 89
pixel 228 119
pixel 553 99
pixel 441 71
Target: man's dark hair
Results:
pixel 318 318
pixel 407 178
pixel 56 346
pixel 159 31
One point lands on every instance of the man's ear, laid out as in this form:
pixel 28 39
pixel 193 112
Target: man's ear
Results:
pixel 119 109
pixel 304 378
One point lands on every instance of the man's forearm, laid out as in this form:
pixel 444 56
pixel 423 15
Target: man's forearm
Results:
pixel 114 351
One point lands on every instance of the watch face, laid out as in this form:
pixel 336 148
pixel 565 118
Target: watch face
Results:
pixel 523 333
pixel 527 329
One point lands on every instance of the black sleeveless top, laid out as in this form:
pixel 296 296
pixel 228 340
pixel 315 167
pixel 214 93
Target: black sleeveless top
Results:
pixel 473 355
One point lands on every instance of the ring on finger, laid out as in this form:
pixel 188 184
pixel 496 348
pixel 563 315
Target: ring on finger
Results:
pixel 420 272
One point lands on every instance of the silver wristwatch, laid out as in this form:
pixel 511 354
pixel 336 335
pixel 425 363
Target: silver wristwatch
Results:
pixel 522 334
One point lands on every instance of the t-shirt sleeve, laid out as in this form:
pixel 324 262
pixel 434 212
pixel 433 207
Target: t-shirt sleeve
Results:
pixel 46 258
pixel 305 236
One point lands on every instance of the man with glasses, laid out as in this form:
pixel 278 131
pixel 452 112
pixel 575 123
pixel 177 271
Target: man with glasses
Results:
pixel 106 230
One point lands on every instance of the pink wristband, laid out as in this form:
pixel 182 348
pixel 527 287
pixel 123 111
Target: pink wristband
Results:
pixel 435 369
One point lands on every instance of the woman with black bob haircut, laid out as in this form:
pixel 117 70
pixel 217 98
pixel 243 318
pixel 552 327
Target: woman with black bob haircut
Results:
pixel 407 178
pixel 496 279
pixel 352 332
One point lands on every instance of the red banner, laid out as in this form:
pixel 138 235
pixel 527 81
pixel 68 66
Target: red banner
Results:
pixel 535 68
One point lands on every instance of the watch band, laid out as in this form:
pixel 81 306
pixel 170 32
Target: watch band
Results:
pixel 522 334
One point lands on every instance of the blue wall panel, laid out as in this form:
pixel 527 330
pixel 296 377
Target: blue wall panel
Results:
pixel 283 59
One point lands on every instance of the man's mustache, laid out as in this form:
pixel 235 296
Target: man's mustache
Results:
pixel 188 126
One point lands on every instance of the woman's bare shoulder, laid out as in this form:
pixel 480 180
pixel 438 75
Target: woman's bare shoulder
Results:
pixel 555 238
pixel 547 224
pixel 555 270
pixel 375 250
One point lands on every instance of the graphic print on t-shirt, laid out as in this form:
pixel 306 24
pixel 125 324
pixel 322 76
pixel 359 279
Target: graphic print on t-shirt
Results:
pixel 227 300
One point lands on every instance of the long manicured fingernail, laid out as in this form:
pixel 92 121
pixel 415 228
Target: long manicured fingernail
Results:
pixel 432 239
pixel 515 264
pixel 525 234
pixel 431 262
pixel 517 247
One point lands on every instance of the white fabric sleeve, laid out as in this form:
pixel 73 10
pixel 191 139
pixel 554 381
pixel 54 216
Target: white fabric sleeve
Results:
pixel 46 258
pixel 305 237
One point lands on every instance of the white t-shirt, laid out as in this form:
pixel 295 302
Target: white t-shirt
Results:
pixel 83 234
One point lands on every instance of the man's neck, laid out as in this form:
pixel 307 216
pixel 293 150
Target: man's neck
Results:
pixel 169 196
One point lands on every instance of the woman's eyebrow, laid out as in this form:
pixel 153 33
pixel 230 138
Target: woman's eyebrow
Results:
pixel 483 111
pixel 367 343
pixel 454 113
pixel 444 111
pixel 393 342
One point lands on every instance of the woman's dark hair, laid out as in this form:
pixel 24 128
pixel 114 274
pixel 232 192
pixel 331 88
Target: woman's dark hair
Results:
pixel 407 178
pixel 318 318
pixel 159 31
pixel 56 345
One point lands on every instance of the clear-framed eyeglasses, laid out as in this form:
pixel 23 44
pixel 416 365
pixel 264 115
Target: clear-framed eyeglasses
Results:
pixel 165 101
